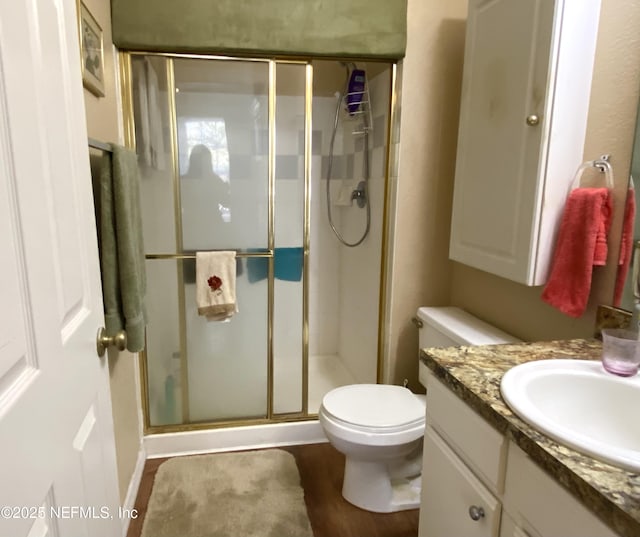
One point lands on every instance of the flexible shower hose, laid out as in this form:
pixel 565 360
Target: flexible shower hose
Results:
pixel 365 172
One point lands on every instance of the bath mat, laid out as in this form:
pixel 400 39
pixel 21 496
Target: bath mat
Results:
pixel 252 493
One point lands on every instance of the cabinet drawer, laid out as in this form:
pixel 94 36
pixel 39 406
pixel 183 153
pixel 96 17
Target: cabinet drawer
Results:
pixel 471 437
pixel 449 490
pixel 541 506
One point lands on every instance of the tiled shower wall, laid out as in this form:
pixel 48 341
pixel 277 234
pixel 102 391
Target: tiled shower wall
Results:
pixel 360 266
pixel 345 282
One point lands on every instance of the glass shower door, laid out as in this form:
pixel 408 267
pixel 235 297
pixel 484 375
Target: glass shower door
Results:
pixel 206 189
pixel 222 122
pixel 232 174
pixel 290 189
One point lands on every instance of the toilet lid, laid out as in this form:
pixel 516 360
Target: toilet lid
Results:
pixel 375 405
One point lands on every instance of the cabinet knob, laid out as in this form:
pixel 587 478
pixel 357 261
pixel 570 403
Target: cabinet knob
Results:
pixel 476 513
pixel 533 120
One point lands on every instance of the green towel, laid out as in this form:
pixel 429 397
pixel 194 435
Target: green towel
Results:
pixel 122 252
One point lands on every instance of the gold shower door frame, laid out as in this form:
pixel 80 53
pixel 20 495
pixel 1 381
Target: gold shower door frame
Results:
pixel 129 134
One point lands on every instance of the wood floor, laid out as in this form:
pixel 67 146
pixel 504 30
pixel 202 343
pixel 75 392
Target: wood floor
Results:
pixel 321 469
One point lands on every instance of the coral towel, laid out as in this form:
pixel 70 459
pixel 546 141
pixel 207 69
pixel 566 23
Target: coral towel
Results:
pixel 216 285
pixel 581 244
pixel 626 246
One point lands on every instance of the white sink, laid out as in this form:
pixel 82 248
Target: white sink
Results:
pixel 578 403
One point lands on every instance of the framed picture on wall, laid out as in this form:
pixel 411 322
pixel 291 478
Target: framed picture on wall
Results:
pixel 91 51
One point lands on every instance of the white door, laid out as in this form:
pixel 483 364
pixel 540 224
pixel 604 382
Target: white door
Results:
pixel 57 455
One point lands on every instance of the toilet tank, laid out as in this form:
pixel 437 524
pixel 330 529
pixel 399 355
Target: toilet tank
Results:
pixel 449 326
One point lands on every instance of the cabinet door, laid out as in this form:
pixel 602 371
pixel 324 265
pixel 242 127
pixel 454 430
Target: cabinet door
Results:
pixel 449 490
pixel 508 528
pixel 536 502
pixel 497 192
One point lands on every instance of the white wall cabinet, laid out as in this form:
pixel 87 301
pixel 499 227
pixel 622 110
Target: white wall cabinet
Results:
pixel 525 96
pixel 468 465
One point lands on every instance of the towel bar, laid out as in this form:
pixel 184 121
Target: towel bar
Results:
pixel 268 253
pixel 97 144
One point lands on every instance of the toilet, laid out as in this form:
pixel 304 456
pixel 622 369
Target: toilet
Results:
pixel 379 427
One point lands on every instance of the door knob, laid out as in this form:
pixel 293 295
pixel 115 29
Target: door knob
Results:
pixel 533 120
pixel 119 341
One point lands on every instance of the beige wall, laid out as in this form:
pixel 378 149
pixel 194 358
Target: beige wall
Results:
pixel 420 270
pixel 102 124
pixel 612 113
pixel 421 273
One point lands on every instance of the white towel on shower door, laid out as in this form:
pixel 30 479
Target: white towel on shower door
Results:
pixel 216 285
pixel 149 136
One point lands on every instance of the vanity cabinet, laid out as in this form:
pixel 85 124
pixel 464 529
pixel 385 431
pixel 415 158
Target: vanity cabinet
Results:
pixel 476 483
pixel 526 85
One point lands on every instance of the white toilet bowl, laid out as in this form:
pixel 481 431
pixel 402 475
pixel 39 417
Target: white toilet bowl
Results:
pixel 379 428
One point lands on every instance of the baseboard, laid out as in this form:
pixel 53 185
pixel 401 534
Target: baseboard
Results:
pixel 132 491
pixel 233 439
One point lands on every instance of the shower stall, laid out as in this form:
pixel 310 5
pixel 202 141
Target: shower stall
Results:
pixel 284 162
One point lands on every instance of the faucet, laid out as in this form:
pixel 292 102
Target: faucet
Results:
pixel 359 194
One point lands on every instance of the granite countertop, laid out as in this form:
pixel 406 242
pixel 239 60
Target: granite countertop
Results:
pixel 474 374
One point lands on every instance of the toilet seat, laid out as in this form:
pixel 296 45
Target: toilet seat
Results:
pixel 378 414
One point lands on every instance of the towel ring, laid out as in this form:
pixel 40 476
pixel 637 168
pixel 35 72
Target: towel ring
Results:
pixel 602 164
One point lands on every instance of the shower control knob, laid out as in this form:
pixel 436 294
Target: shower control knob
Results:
pixel 533 120
pixel 476 513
